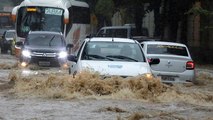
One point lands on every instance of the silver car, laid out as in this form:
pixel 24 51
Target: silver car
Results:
pixel 176 64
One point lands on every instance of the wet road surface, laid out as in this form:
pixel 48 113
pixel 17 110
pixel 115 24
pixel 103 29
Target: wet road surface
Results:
pixel 26 97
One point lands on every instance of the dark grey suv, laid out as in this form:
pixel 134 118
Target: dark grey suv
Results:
pixel 7 41
pixel 44 48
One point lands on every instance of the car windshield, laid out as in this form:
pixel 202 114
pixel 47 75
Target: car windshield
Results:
pixel 44 40
pixel 166 49
pixel 113 51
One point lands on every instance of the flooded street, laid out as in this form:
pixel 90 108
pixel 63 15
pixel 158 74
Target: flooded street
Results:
pixel 43 94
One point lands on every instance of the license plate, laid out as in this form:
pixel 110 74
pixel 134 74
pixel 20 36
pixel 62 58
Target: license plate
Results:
pixel 168 78
pixel 44 63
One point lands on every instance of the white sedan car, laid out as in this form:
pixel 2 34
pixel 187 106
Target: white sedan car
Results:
pixel 111 57
pixel 176 64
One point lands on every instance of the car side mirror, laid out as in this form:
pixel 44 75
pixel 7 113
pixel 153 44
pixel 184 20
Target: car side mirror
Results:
pixel 19 44
pixel 90 35
pixel 154 61
pixel 72 58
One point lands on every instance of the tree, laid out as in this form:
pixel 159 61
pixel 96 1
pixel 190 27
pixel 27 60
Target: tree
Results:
pixel 174 19
pixel 136 8
pixel 104 10
pixel 16 2
pixel 155 6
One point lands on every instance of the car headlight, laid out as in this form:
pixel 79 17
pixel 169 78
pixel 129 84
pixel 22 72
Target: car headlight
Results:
pixel 148 75
pixel 26 53
pixel 62 54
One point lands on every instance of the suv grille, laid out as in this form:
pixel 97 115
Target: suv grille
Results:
pixel 41 54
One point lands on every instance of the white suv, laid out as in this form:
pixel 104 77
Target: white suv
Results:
pixel 111 56
pixel 126 31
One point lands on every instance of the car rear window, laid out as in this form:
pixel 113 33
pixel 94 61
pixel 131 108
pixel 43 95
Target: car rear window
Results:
pixel 167 49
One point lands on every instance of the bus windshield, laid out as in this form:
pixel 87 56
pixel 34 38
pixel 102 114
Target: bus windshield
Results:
pixel 39 19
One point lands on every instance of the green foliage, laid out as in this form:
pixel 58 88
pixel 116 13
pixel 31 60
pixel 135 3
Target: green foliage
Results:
pixel 9 3
pixel 199 11
pixel 5 3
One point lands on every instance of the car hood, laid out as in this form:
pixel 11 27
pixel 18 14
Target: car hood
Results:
pixel 124 69
pixel 44 48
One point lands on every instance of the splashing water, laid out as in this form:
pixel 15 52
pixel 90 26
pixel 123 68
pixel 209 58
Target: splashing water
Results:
pixel 91 85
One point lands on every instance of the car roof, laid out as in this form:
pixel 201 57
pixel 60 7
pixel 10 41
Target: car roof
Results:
pixel 121 27
pixel 110 39
pixel 164 43
pixel 45 32
pixel 11 30
pixel 117 27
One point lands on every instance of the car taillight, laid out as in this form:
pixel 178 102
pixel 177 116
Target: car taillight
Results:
pixel 190 65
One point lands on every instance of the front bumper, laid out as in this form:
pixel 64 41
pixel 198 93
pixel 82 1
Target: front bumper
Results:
pixel 45 61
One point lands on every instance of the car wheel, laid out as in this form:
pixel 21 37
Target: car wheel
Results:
pixel 3 50
pixel 74 74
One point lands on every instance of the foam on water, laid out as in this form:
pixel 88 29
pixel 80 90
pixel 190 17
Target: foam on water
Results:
pixel 90 85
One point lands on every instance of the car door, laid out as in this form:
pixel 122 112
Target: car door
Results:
pixel 75 66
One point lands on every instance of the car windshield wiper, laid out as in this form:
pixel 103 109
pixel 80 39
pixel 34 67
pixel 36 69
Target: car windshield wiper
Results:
pixel 122 57
pixel 51 40
pixel 99 57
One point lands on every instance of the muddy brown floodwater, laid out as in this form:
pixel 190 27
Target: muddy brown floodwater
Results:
pixel 51 94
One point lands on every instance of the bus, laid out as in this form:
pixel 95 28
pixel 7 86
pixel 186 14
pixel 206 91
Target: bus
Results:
pixel 70 17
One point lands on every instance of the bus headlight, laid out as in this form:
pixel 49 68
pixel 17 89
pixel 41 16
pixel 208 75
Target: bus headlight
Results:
pixel 26 53
pixel 62 54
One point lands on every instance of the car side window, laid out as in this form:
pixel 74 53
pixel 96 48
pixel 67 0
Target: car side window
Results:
pixel 120 33
pixel 100 33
